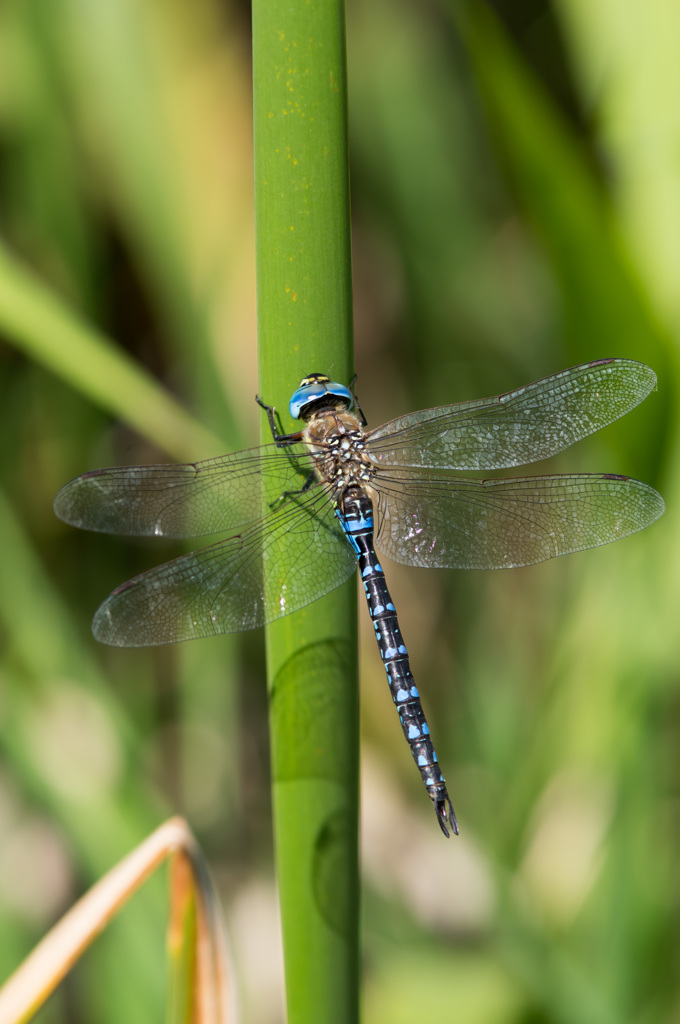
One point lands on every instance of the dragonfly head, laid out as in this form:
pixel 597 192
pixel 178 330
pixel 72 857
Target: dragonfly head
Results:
pixel 316 393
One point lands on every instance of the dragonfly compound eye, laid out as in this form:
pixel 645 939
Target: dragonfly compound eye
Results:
pixel 317 393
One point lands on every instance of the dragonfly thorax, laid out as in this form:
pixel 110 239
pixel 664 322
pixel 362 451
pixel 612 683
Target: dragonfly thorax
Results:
pixel 338 446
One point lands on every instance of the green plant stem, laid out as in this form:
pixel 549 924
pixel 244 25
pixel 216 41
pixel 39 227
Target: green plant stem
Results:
pixel 305 326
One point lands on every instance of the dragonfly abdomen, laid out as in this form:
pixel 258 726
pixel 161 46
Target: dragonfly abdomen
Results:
pixel 356 517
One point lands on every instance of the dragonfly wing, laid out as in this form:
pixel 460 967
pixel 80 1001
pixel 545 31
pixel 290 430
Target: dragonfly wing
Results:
pixel 494 524
pixel 520 427
pixel 287 560
pixel 192 500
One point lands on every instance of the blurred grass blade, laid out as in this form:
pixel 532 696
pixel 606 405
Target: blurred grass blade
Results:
pixel 55 684
pixel 123 66
pixel 629 76
pixel 304 326
pixel 606 310
pixel 45 329
pixel 201 983
pixel 209 999
pixel 181 942
pixel 569 210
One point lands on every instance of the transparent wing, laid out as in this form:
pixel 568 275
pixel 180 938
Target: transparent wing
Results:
pixel 192 500
pixel 521 426
pixel 440 522
pixel 282 563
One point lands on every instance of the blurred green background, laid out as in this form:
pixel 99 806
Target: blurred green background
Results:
pixel 516 210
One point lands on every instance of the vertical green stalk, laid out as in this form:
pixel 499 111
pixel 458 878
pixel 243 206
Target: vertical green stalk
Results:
pixel 305 326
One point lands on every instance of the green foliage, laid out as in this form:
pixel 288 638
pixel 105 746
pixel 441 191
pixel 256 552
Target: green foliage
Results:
pixel 514 196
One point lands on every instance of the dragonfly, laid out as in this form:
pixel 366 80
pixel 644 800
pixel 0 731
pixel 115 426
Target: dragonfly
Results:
pixel 303 513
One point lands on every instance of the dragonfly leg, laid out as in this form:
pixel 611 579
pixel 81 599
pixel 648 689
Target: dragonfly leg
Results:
pixel 364 421
pixel 279 439
pixel 294 494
